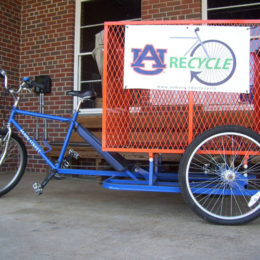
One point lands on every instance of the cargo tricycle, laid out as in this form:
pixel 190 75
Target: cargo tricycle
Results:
pixel 216 133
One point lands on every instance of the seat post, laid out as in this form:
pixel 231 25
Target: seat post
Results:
pixel 79 104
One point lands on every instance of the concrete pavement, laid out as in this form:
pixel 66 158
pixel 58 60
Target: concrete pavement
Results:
pixel 78 219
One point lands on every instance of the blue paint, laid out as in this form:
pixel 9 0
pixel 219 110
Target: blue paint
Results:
pixel 137 180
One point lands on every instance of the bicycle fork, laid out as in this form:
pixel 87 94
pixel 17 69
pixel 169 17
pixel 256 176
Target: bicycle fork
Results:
pixel 6 140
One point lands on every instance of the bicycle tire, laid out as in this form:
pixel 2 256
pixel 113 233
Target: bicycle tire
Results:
pixel 219 174
pixel 214 47
pixel 14 164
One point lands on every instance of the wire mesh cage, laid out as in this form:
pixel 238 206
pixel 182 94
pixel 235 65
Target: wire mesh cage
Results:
pixel 166 121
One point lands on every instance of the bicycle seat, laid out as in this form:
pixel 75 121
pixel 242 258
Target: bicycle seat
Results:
pixel 89 94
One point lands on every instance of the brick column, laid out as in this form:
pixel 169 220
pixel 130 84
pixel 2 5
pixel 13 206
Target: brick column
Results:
pixel 47 48
pixel 10 24
pixel 171 9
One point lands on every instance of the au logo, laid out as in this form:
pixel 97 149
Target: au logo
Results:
pixel 148 53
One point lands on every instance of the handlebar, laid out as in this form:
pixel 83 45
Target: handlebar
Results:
pixel 27 83
pixel 3 75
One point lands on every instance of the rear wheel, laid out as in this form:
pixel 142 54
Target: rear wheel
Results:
pixel 219 175
pixel 14 163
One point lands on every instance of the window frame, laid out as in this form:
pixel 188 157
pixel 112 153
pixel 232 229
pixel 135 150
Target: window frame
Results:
pixel 77 62
pixel 77 55
pixel 205 9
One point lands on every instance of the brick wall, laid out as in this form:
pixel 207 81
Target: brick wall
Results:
pixel 171 9
pixel 37 38
pixel 47 48
pixel 10 25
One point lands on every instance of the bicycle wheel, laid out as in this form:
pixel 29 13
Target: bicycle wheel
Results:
pixel 14 163
pixel 219 175
pixel 222 57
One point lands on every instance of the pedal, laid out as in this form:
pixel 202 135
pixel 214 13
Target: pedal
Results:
pixel 37 187
pixel 67 160
pixel 74 154
pixel 65 164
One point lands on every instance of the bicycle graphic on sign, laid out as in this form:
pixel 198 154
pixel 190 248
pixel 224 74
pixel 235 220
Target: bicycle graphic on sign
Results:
pixel 211 62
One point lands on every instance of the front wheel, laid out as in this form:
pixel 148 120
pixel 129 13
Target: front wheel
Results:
pixel 219 175
pixel 14 163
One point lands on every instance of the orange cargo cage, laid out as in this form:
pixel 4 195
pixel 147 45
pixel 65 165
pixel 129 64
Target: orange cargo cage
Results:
pixel 166 121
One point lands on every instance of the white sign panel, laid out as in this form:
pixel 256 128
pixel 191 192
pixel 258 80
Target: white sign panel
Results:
pixel 192 58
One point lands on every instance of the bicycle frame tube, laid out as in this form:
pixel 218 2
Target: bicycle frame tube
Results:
pixel 198 40
pixel 34 143
pixel 87 136
pixel 201 43
pixel 148 180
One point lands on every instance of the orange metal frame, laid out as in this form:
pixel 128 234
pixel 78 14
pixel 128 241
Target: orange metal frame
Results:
pixel 131 123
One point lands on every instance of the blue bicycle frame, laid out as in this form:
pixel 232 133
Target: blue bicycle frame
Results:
pixel 89 137
pixel 137 180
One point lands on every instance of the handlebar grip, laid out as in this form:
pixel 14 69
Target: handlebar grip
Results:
pixel 27 83
pixel 26 79
pixel 2 73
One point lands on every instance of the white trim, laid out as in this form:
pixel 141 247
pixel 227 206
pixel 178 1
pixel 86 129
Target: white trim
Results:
pixel 91 25
pixel 204 9
pixel 232 6
pixel 90 111
pixel 76 49
pixel 78 54
pixel 91 81
pixel 84 53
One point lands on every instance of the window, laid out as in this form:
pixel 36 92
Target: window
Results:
pixel 90 18
pixel 230 9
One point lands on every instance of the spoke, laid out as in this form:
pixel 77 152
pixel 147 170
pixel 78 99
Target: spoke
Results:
pixel 222 200
pixel 224 150
pixel 205 158
pixel 209 183
pixel 253 168
pixel 236 203
pixel 220 196
pixel 208 195
pixel 257 187
pixel 243 192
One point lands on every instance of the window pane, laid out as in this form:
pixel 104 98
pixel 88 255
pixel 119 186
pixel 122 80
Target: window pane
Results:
pixel 93 14
pixel 236 13
pixel 97 87
pixel 98 11
pixel 221 3
pixel 89 70
pixel 87 37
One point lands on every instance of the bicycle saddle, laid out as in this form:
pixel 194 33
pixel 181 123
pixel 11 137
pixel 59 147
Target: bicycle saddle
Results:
pixel 89 94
